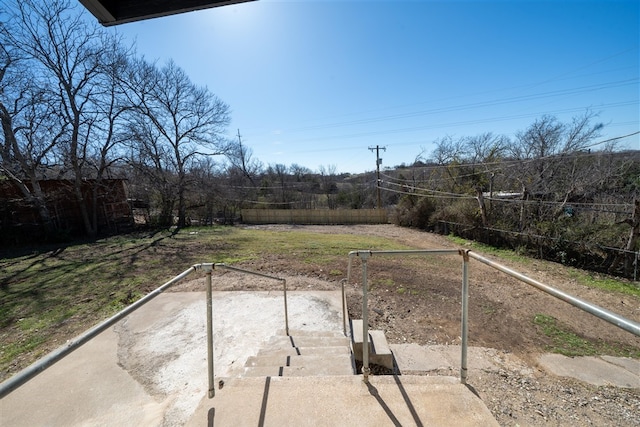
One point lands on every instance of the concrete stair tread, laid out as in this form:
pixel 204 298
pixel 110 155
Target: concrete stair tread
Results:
pixel 302 353
pixel 343 401
pixel 309 333
pixel 293 351
pixel 295 360
pixel 319 369
pixel 306 341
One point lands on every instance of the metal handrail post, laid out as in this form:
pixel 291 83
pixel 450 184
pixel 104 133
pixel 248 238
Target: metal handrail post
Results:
pixel 344 296
pixel 365 319
pixel 286 311
pixel 465 316
pixel 32 370
pixel 208 268
pixel 344 308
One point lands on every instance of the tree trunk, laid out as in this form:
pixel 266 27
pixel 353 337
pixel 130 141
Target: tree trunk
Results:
pixel 36 198
pixel 483 209
pixel 39 201
pixel 182 211
pixel 634 235
pixel 82 205
pixel 525 196
pixel 94 206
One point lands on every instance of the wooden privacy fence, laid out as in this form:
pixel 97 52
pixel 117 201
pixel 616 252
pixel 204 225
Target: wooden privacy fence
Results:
pixel 314 216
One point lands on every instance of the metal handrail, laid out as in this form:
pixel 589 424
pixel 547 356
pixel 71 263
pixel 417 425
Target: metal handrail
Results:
pixel 208 268
pixel 26 374
pixel 34 369
pixel 37 367
pixel 602 313
pixel 364 255
pixel 613 318
pixel 267 276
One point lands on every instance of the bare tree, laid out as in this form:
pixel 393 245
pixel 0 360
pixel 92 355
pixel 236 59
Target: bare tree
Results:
pixel 448 150
pixel 300 173
pixel 241 176
pixel 469 163
pixel 483 153
pixel 329 187
pixel 240 158
pixel 177 122
pixel 279 172
pixel 541 152
pixel 29 134
pixel 73 66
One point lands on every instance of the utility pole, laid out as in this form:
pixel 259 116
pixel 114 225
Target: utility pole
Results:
pixel 378 163
pixel 242 159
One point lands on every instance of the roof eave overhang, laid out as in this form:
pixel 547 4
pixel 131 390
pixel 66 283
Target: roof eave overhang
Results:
pixel 116 12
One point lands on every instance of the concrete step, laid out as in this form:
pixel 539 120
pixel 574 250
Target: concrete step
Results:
pixel 294 360
pixel 306 341
pixel 304 351
pixel 322 368
pixel 308 333
pixel 307 353
pixel 343 401
pixel 379 350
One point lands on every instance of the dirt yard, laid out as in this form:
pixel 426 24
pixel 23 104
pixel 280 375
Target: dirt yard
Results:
pixel 417 300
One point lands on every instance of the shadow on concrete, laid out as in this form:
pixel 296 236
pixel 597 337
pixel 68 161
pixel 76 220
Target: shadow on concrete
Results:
pixel 374 392
pixel 473 390
pixel 407 400
pixel 265 398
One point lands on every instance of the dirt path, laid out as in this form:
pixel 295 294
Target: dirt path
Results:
pixel 417 300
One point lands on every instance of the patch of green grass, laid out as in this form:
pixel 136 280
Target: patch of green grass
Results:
pixel 81 284
pixel 314 248
pixel 386 282
pixel 488 310
pixel 606 283
pixel 569 344
pixel 584 278
pixel 487 249
pixel 10 351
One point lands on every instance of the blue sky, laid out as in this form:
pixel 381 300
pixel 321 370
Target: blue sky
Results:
pixel 317 83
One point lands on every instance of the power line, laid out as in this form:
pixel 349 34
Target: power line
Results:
pixel 424 192
pixel 462 107
pixel 506 163
pixel 460 123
